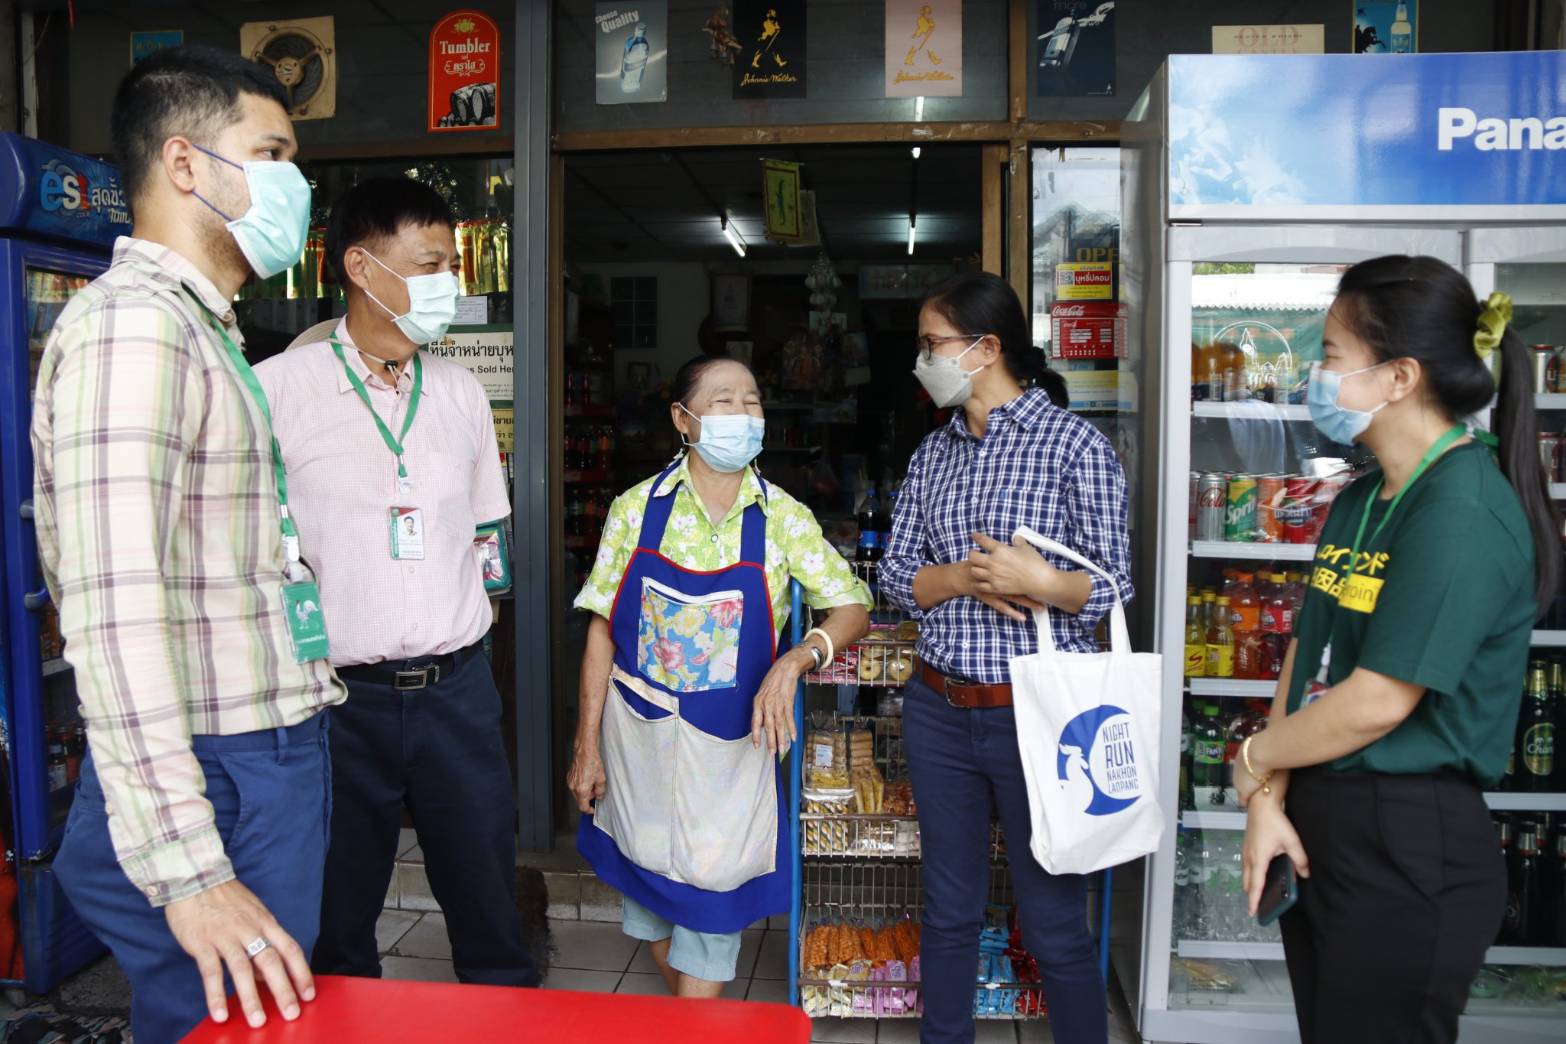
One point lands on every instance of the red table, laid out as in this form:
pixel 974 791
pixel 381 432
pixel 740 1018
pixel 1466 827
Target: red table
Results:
pixel 386 1010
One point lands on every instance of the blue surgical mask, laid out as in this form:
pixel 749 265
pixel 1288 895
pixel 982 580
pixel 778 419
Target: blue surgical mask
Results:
pixel 432 304
pixel 1335 421
pixel 729 441
pixel 271 234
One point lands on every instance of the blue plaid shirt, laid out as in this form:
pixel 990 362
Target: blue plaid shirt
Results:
pixel 1037 465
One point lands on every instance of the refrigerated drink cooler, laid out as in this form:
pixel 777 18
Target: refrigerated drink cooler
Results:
pixel 1250 184
pixel 59 215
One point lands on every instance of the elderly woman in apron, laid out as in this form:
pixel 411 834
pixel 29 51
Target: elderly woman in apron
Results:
pixel 686 706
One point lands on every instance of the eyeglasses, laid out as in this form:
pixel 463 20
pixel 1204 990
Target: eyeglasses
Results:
pixel 927 343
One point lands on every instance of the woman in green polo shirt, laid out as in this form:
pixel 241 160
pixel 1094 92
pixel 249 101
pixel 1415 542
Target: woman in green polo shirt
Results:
pixel 1402 684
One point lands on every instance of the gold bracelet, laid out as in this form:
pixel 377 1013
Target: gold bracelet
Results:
pixel 1245 755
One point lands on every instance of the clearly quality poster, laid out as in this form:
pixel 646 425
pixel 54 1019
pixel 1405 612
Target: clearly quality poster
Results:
pixel 633 47
pixel 773 56
pixel 923 48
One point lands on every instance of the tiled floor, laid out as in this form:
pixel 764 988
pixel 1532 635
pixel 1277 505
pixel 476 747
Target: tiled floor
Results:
pixel 599 958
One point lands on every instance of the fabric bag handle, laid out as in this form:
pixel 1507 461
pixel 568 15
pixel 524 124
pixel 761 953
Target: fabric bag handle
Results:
pixel 1119 634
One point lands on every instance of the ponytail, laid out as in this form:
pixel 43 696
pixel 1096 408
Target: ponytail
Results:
pixel 1516 424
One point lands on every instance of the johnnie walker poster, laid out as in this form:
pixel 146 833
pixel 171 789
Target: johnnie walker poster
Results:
pixel 771 62
pixel 1076 48
pixel 633 47
pixel 923 48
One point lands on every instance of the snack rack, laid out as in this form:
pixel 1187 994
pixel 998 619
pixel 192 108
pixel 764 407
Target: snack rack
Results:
pixel 853 938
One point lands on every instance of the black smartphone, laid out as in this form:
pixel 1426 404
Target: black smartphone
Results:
pixel 1280 892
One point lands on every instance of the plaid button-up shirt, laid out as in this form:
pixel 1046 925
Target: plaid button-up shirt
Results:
pixel 158 533
pixel 1038 466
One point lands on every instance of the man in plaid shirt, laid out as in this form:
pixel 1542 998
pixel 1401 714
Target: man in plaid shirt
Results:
pixel 196 841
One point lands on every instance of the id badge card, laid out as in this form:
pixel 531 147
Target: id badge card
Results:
pixel 494 557
pixel 407 533
pixel 306 622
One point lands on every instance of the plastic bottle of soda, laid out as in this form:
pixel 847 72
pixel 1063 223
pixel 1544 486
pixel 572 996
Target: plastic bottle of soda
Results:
pixel 1187 746
pixel 1220 642
pixel 1207 759
pixel 1277 614
pixel 1195 639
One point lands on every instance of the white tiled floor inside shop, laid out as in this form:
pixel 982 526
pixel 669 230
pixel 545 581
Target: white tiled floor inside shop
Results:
pixel 595 956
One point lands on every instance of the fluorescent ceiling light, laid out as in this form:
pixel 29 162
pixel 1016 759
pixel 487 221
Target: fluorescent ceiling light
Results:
pixel 916 152
pixel 919 108
pixel 910 238
pixel 734 239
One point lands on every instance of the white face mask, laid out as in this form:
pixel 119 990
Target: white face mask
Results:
pixel 432 304
pixel 945 379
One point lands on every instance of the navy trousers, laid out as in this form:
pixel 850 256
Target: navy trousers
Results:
pixel 965 766
pixel 437 751
pixel 271 794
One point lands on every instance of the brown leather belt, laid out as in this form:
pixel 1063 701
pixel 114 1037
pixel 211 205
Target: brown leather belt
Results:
pixel 965 694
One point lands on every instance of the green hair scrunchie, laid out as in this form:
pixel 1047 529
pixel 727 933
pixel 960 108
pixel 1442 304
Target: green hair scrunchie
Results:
pixel 1493 319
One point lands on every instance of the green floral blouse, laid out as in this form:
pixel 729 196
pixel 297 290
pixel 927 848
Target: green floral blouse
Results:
pixel 796 548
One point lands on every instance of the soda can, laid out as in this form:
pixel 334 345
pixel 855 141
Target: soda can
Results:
pixel 1269 497
pixel 1297 510
pixel 1550 454
pixel 1543 358
pixel 1211 504
pixel 1239 523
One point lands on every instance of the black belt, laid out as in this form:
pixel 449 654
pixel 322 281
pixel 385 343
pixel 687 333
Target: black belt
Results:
pixel 411 675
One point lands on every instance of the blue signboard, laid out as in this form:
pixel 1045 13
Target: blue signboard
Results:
pixel 1367 136
pixel 58 194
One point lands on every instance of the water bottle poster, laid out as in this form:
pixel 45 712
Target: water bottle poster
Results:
pixel 464 73
pixel 1076 48
pixel 923 48
pixel 1386 28
pixel 633 52
pixel 772 57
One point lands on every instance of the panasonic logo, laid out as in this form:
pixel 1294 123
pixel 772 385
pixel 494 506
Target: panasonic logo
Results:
pixel 1493 134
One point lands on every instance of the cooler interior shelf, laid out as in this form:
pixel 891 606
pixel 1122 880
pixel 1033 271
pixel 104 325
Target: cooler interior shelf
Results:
pixel 1549 401
pixel 1549 638
pixel 1235 688
pixel 1534 956
pixel 1256 551
pixel 1558 490
pixel 1252 409
pixel 1213 820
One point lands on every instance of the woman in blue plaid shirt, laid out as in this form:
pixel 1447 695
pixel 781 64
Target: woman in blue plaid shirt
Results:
pixel 1011 456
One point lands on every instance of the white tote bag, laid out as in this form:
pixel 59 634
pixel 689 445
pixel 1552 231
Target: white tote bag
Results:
pixel 1087 728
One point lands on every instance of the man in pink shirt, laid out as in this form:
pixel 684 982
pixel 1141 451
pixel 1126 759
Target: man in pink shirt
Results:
pixel 391 459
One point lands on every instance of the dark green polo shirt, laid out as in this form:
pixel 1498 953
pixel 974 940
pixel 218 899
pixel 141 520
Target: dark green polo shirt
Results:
pixel 1443 599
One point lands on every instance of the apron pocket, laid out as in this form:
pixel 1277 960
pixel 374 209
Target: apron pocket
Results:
pixel 725 811
pixel 689 643
pixel 637 807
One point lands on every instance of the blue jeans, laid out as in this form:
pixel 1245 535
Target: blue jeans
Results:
pixel 965 766
pixel 271 795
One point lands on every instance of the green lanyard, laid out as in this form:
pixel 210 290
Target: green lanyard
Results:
pixel 247 376
pixel 393 443
pixel 1441 446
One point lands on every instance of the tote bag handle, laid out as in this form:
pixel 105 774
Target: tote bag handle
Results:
pixel 1119 635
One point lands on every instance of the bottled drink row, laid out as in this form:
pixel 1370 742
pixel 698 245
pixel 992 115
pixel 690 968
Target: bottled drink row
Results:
pixel 1227 372
pixel 588 447
pixel 1534 765
pixel 587 389
pixel 1210 738
pixel 1265 509
pixel 586 509
pixel 1535 851
pixel 1242 629
pixel 875 523
pixel 1209 892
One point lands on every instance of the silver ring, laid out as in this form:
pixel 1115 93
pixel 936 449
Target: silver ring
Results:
pixel 255 948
